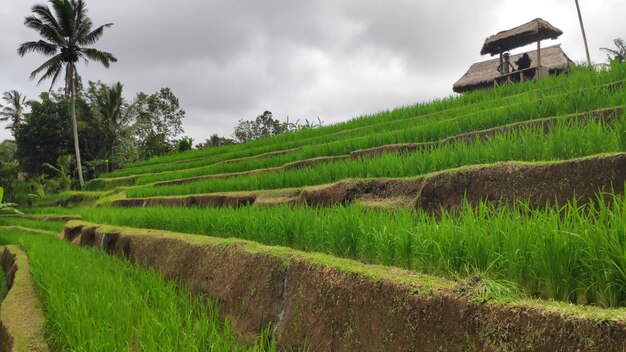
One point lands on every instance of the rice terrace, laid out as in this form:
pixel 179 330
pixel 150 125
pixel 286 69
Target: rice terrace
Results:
pixel 490 219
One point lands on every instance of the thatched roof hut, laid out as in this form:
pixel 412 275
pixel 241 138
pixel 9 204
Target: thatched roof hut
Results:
pixel 531 32
pixel 482 74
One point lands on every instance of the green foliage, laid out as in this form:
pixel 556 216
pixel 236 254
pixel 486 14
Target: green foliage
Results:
pixel 8 148
pixel 16 187
pixel 262 127
pixel 113 119
pixel 215 141
pixel 7 207
pixel 159 119
pixel 46 133
pixel 63 169
pixel 184 144
pixel 619 53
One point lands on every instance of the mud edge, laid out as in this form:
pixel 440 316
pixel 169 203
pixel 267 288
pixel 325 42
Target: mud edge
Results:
pixel 21 313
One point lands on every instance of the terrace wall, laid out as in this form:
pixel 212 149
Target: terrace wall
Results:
pixel 341 305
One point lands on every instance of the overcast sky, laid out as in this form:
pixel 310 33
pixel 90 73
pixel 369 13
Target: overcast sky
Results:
pixel 228 60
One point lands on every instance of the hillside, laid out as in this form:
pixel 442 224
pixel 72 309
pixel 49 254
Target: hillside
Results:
pixel 494 220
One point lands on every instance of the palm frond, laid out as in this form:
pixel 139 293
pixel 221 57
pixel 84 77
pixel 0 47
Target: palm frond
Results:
pixel 100 56
pixel 93 36
pixel 45 16
pixel 55 77
pixel 82 29
pixel 80 11
pixel 48 32
pixel 40 46
pixel 64 12
pixel 52 62
pixel 46 24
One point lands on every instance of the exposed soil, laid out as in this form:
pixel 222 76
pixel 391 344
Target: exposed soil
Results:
pixel 264 155
pixel 312 162
pixel 539 183
pixel 340 305
pixel 201 201
pixel 50 218
pixel 21 316
pixel 69 201
pixel 387 149
pixel 106 184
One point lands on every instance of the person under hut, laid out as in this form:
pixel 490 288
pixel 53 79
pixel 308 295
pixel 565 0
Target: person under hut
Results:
pixel 505 66
pixel 523 62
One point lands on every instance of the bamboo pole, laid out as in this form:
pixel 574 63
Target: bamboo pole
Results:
pixel 582 28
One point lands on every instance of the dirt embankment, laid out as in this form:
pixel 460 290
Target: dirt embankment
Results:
pixel 107 184
pixel 201 201
pixel 216 176
pixel 540 184
pixel 21 314
pixel 342 305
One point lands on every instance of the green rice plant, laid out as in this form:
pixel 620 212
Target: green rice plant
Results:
pixel 95 302
pixel 430 130
pixel 370 125
pixel 572 253
pixel 52 226
pixel 566 140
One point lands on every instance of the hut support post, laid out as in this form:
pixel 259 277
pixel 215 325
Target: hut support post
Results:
pixel 582 28
pixel 538 59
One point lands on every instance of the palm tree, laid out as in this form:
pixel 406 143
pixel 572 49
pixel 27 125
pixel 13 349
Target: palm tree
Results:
pixel 618 54
pixel 14 110
pixel 66 33
pixel 113 116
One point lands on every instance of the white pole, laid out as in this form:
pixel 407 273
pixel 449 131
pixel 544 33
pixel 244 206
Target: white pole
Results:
pixel 582 28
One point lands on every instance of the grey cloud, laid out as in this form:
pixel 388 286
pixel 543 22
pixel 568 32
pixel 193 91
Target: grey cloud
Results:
pixel 232 59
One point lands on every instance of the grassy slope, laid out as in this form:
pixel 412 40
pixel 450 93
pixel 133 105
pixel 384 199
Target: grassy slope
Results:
pixel 565 141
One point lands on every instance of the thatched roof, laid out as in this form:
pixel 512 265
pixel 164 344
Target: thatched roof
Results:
pixel 525 34
pixel 482 74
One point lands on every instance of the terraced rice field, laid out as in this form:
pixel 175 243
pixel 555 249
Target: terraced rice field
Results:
pixel 491 221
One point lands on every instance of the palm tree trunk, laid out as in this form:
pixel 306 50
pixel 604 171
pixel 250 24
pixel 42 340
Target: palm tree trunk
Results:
pixel 75 125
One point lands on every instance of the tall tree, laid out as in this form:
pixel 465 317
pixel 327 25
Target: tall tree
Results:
pixel 46 133
pixel 67 32
pixel 14 110
pixel 263 126
pixel 158 120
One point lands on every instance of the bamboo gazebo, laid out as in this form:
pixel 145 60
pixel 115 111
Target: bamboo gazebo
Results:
pixel 544 61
